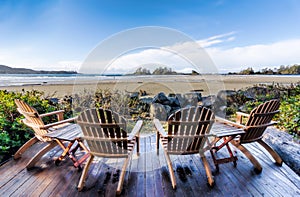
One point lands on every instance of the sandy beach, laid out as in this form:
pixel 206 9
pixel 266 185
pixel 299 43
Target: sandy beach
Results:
pixel 206 84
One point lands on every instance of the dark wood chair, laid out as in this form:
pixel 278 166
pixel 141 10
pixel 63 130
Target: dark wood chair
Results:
pixel 105 133
pixel 258 120
pixel 187 133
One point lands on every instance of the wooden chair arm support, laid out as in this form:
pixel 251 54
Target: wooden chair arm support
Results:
pixel 136 130
pixel 240 115
pixel 228 122
pixel 59 114
pixel 48 125
pixel 59 122
pixel 159 128
pixel 262 125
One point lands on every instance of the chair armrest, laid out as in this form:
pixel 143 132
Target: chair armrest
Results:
pixel 240 115
pixel 58 123
pixel 136 130
pixel 52 113
pixel 159 128
pixel 59 114
pixel 228 122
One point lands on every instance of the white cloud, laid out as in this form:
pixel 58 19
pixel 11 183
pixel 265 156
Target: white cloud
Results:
pixel 226 60
pixel 178 57
pixel 256 56
pixel 148 58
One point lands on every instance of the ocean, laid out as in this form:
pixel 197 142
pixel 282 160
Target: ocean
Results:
pixel 43 79
pixel 40 79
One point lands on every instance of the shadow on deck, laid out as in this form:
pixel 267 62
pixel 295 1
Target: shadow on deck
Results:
pixel 148 176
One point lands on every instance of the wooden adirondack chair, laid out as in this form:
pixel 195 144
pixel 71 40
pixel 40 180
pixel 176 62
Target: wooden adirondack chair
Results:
pixel 34 120
pixel 105 134
pixel 188 131
pixel 258 120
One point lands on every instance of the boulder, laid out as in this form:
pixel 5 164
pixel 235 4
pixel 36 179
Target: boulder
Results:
pixel 191 99
pixel 158 111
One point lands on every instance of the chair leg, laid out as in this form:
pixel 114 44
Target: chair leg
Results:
pixel 84 173
pixel 122 176
pixel 157 142
pixel 256 164
pixel 276 157
pixel 208 171
pixel 39 155
pixel 28 144
pixel 173 180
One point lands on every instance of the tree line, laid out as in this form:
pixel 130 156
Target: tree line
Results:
pixel 282 70
pixel 157 71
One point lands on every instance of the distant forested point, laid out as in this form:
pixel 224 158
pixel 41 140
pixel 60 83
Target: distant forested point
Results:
pixel 282 70
pixel 160 71
pixel 9 70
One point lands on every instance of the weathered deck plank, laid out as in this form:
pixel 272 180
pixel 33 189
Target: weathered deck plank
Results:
pixel 148 175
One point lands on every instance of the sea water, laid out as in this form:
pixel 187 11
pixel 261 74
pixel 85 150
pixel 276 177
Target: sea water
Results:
pixel 40 79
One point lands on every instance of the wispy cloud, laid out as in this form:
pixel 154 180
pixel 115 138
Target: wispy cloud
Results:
pixel 213 40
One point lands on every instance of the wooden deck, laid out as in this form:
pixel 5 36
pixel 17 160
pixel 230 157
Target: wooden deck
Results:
pixel 148 176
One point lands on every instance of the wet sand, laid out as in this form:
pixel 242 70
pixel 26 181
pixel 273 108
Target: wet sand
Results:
pixel 206 84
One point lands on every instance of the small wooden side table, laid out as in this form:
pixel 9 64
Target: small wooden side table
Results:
pixel 226 135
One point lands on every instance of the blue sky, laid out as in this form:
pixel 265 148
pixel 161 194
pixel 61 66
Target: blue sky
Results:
pixel 60 34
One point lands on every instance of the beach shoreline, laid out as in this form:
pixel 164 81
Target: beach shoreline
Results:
pixel 206 84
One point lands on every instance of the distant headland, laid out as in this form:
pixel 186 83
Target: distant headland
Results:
pixel 9 70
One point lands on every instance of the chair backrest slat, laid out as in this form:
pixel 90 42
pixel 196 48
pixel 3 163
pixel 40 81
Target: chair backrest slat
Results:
pixel 187 129
pixel 104 132
pixel 32 119
pixel 259 119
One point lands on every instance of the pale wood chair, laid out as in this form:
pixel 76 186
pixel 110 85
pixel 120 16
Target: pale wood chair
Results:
pixel 62 128
pixel 258 120
pixel 188 133
pixel 105 133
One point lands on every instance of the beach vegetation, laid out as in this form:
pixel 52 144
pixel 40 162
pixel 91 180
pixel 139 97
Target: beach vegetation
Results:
pixel 282 70
pixel 157 71
pixel 163 71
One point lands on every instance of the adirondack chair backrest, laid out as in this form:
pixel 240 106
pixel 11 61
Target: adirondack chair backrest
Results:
pixel 32 119
pixel 104 132
pixel 187 129
pixel 260 118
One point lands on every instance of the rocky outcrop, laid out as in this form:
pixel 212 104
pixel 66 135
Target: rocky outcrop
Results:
pixel 163 106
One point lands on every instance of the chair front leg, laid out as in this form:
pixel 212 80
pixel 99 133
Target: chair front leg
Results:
pixel 256 164
pixel 275 156
pixel 171 171
pixel 122 175
pixel 207 170
pixel 84 173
